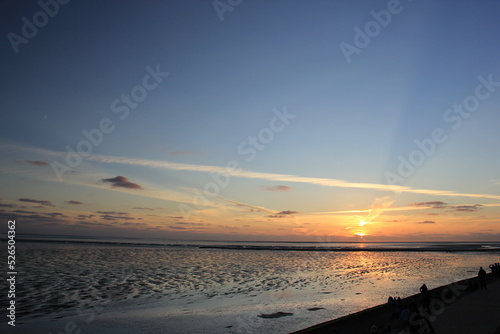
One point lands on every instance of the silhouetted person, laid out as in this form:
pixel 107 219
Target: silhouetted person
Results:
pixel 423 289
pixel 482 278
pixel 495 269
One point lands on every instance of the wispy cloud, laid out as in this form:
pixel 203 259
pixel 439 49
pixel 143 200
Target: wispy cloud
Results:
pixel 253 208
pixel 278 188
pixel 278 177
pixel 37 162
pixel 74 202
pixel 112 213
pixel 91 223
pixel 143 208
pixel 36 201
pixel 253 175
pixel 426 222
pixel 431 204
pixel 377 208
pixel 283 214
pixel 420 206
pixel 192 224
pixel 443 205
pixel 24 212
pixel 467 208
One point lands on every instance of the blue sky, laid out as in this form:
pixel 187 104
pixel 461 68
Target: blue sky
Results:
pixel 227 80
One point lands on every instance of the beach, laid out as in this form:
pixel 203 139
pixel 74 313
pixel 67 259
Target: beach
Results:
pixel 91 287
pixel 472 312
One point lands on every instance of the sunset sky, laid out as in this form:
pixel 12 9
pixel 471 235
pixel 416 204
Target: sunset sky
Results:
pixel 252 120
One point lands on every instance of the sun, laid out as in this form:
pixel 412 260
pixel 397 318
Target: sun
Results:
pixel 361 234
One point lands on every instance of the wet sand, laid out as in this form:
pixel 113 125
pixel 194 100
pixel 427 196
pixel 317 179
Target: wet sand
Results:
pixel 454 309
pixel 69 288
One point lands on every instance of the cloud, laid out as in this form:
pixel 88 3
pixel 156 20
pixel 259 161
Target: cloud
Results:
pixel 426 222
pixel 37 162
pixel 278 188
pixel 121 182
pixel 131 224
pixel 283 214
pixel 378 207
pixel 142 208
pixel 432 204
pixel 110 217
pixel 287 212
pixel 74 202
pixel 56 214
pixel 32 217
pixel 24 212
pixel 85 216
pixel 7 205
pixel 238 172
pixel 227 227
pixel 112 212
pixel 443 205
pixel 252 208
pixel 92 223
pixel 192 224
pixel 42 202
pixel 467 208
pixel 114 215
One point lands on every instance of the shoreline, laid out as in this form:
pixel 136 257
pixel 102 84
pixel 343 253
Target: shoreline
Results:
pixel 464 248
pixel 380 315
pixel 154 318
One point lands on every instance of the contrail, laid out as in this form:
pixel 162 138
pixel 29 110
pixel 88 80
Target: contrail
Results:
pixel 277 177
pixel 252 175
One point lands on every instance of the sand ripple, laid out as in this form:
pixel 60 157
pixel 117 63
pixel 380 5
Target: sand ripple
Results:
pixel 60 277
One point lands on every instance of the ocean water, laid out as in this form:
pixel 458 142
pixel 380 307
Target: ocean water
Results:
pixel 229 287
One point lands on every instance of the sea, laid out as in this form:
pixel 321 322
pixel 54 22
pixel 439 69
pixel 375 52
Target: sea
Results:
pixel 155 285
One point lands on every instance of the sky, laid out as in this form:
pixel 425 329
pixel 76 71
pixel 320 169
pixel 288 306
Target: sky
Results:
pixel 251 120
